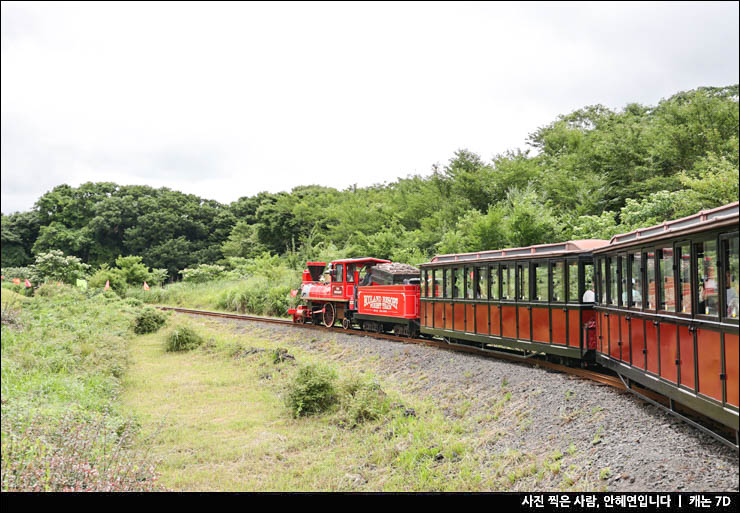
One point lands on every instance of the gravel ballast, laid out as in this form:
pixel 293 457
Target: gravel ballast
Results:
pixel 611 440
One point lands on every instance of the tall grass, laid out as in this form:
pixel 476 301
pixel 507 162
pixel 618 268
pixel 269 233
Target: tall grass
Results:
pixel 63 359
pixel 257 295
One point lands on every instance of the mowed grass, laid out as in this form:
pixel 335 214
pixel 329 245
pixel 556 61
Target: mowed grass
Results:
pixel 219 422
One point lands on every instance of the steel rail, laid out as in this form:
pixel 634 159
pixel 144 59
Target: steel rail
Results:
pixel 617 382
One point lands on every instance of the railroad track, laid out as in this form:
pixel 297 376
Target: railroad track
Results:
pixel 687 415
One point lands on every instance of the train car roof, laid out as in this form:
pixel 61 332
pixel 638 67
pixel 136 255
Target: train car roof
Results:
pixel 357 260
pixel 537 251
pixel 726 215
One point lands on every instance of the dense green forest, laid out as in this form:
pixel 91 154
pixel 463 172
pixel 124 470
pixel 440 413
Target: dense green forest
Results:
pixel 588 174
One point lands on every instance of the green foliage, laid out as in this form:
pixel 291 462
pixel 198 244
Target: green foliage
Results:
pixel 54 266
pixel 129 273
pixel 528 220
pixel 21 273
pixel 603 227
pixel 361 400
pixel 259 296
pixel 19 232
pixel 311 391
pixel 182 338
pixel 107 274
pixel 62 366
pixel 204 272
pixel 242 241
pixel 73 347
pixel 132 270
pixel 149 321
pixel 158 276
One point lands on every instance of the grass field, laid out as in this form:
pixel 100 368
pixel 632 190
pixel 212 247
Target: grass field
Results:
pixel 219 422
pixel 63 356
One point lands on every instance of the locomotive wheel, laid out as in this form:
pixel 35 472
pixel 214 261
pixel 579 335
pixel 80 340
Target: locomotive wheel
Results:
pixel 346 324
pixel 330 315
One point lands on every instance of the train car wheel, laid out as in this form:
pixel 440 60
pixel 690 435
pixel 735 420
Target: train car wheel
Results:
pixel 330 315
pixel 346 324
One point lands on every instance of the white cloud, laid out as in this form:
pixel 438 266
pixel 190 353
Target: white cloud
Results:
pixel 224 100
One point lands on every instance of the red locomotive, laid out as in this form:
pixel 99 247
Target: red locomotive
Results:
pixel 658 306
pixel 375 294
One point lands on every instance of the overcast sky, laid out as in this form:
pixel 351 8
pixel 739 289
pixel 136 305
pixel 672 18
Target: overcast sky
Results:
pixel 226 100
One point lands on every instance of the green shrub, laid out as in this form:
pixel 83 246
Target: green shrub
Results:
pixel 132 301
pixel 50 290
pixel 113 276
pixel 311 391
pixel 148 321
pixel 206 272
pixel 361 401
pixel 183 338
pixel 158 276
pixel 21 273
pixel 54 266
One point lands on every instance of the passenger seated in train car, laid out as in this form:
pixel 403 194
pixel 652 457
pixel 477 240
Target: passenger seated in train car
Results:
pixel 707 295
pixel 326 277
pixel 590 296
pixel 731 295
pixel 636 293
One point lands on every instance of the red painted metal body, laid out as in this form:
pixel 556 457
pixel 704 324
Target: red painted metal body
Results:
pixel 400 301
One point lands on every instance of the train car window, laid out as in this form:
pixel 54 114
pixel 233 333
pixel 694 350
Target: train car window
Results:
pixel 624 270
pixel 523 282
pixel 558 283
pixel 589 282
pixel 684 278
pixel 707 279
pixel 481 290
pixel 651 285
pixel 351 273
pixel 572 282
pixel 494 283
pixel 437 282
pixel 612 278
pixel 507 282
pixel 601 295
pixel 458 283
pixel 469 282
pixel 540 281
pixel 731 261
pixel 667 295
pixel 636 283
pixel 448 282
pixel 424 287
pixel 338 270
